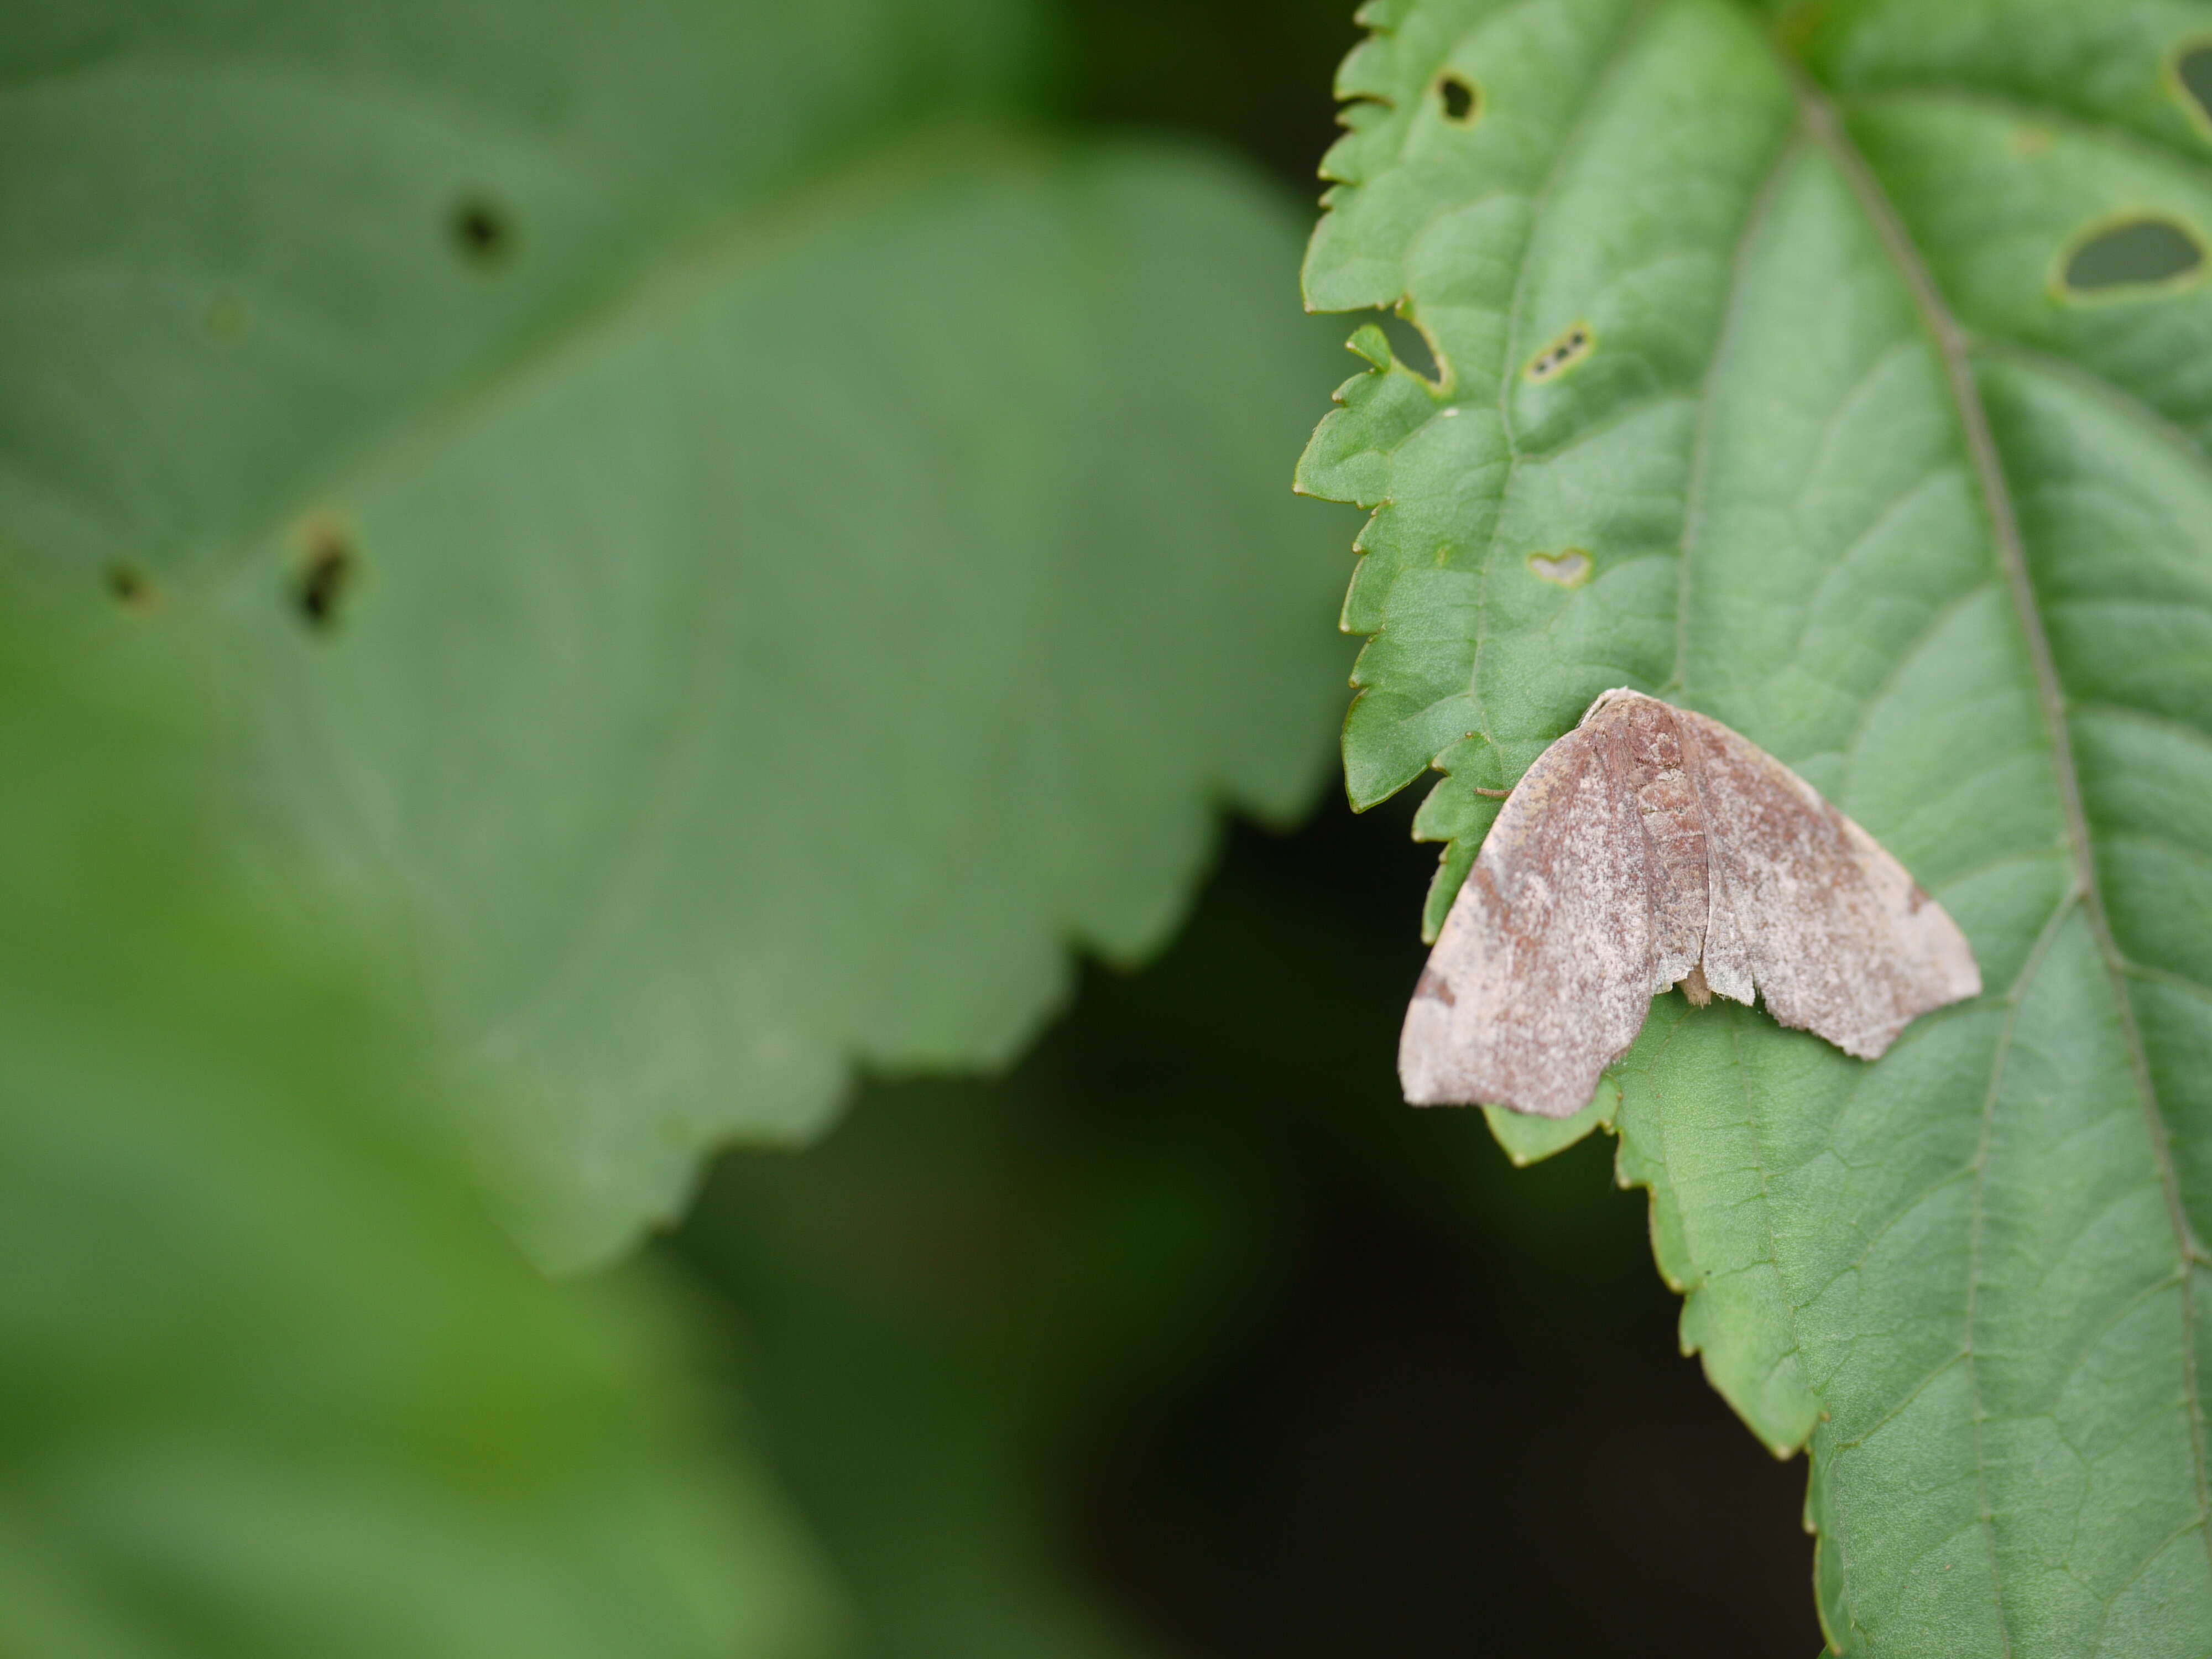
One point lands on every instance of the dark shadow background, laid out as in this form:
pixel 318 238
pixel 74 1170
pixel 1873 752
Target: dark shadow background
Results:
pixel 1193 1306
pixel 1188 1336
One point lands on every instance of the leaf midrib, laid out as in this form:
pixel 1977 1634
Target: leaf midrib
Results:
pixel 1952 347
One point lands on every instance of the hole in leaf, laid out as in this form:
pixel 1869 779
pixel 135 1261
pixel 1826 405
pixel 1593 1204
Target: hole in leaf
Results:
pixel 2191 80
pixel 1569 568
pixel 130 586
pixel 1462 99
pixel 2132 254
pixel 482 232
pixel 324 577
pixel 1411 347
pixel 1562 354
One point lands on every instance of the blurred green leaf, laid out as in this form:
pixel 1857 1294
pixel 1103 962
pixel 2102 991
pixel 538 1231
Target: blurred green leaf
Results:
pixel 269 1382
pixel 761 557
pixel 1797 338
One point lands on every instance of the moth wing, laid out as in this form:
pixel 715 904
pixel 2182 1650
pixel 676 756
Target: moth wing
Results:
pixel 1542 977
pixel 1810 908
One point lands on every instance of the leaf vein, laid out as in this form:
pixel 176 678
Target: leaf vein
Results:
pixel 1762 204
pixel 2018 107
pixel 1953 348
pixel 2128 405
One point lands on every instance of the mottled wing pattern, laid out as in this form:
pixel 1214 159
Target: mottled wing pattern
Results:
pixel 1808 908
pixel 1649 841
pixel 1542 974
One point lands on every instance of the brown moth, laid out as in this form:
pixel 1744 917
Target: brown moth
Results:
pixel 1652 847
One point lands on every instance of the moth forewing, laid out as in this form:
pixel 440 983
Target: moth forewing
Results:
pixel 1540 976
pixel 1840 940
pixel 1652 845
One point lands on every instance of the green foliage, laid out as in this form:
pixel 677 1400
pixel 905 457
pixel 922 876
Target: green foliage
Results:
pixel 1794 333
pixel 272 1383
pixel 756 554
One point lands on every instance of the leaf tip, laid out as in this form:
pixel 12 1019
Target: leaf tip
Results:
pixel 1370 344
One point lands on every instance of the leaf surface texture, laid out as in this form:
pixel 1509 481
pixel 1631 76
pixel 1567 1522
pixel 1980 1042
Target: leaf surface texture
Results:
pixel 758 554
pixel 1788 328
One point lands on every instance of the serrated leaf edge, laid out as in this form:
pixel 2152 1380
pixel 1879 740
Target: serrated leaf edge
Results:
pixel 1819 126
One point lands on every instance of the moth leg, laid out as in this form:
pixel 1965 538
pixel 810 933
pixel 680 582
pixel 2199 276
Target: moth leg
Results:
pixel 1693 985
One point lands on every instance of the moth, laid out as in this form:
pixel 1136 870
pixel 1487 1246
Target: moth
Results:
pixel 1652 847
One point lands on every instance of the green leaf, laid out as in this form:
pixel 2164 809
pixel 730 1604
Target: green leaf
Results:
pixel 761 557
pixel 273 1384
pixel 1864 363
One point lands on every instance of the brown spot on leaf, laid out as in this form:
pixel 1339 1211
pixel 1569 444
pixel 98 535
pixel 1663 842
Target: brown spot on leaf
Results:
pixel 130 588
pixel 1562 355
pixel 482 232
pixel 1569 568
pixel 325 574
